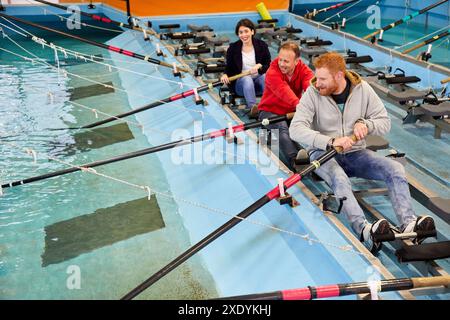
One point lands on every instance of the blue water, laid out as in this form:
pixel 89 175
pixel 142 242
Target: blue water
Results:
pixel 398 37
pixel 26 212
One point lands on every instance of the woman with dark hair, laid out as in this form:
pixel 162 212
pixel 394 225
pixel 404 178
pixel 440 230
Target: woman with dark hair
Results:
pixel 243 55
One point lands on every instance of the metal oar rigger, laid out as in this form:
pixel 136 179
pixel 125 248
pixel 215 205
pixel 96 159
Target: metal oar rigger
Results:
pixel 272 194
pixel 170 145
pixel 94 43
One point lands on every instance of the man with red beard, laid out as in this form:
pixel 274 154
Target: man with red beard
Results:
pixel 286 79
pixel 337 105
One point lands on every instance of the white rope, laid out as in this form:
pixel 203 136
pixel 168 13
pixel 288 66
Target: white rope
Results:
pixel 90 80
pixel 90 58
pixel 148 190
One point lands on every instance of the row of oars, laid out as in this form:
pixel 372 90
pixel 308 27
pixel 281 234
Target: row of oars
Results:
pixel 310 292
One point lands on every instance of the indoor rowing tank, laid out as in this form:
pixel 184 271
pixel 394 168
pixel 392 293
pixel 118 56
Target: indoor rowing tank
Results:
pixel 97 233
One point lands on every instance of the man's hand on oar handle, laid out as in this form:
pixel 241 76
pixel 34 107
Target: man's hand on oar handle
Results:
pixel 226 80
pixel 344 143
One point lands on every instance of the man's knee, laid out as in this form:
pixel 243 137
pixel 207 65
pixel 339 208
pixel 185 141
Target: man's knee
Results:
pixel 394 169
pixel 340 182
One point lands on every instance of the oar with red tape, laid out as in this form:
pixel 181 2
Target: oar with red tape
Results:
pixel 94 43
pixel 272 194
pixel 166 100
pixel 92 16
pixel 346 289
pixel 170 145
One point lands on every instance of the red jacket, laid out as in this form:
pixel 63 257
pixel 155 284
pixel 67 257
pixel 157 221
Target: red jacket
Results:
pixel 281 96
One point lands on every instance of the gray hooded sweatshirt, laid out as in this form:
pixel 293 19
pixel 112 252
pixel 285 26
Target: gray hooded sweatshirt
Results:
pixel 318 119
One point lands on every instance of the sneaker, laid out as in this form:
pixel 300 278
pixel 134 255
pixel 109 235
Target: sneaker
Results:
pixel 254 112
pixel 379 227
pixel 422 223
pixel 302 157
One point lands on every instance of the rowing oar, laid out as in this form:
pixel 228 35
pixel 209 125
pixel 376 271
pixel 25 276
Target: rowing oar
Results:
pixel 346 289
pixel 428 41
pixel 92 16
pixel 94 43
pixel 170 145
pixel 404 19
pixel 166 100
pixel 272 194
pixel 445 80
pixel 310 15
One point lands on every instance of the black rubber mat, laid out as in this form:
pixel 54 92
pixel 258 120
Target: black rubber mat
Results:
pixel 70 238
pixel 90 91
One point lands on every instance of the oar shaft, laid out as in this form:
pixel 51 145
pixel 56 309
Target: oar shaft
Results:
pixel 428 41
pixel 404 19
pixel 164 101
pixel 274 193
pixel 445 80
pixel 338 290
pixel 335 6
pixel 94 43
pixel 197 247
pixel 170 145
pixel 90 15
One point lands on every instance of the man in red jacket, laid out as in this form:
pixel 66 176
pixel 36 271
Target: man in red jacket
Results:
pixel 286 79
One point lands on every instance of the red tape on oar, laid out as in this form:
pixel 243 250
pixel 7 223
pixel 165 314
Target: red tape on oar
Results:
pixel 345 289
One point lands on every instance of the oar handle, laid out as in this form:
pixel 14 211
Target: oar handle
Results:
pixel 431 281
pixel 243 74
pixel 417 46
pixel 163 63
pixel 372 34
pixel 445 80
pixel 340 149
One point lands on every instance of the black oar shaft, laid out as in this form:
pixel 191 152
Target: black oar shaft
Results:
pixel 404 19
pixel 335 6
pixel 428 41
pixel 170 145
pixel 164 101
pixel 92 16
pixel 194 249
pixel 274 193
pixel 338 290
pixel 94 43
